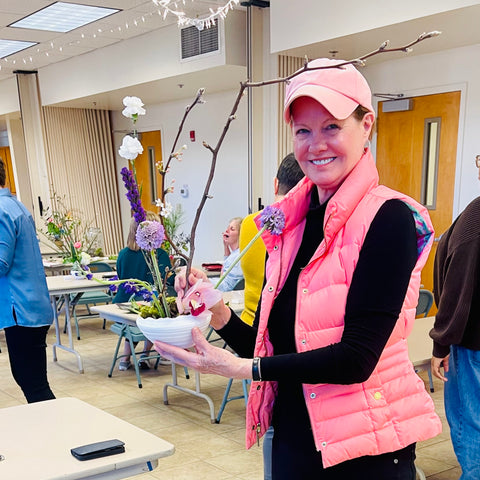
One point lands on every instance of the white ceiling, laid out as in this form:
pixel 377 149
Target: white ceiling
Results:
pixel 459 27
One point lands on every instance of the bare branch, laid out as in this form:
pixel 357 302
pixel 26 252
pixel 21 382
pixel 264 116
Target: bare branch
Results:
pixel 383 48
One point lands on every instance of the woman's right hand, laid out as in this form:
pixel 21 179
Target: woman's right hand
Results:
pixel 181 278
pixel 212 297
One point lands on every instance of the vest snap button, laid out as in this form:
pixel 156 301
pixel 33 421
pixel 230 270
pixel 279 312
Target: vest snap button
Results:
pixel 305 290
pixel 304 342
pixel 313 395
pixel 275 247
pixel 270 289
pixel 324 444
pixel 395 460
pixel 377 395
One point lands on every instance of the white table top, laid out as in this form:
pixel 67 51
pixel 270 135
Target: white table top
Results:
pixel 64 284
pixel 36 441
pixel 114 313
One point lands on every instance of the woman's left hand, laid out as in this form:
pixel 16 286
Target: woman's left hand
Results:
pixel 207 358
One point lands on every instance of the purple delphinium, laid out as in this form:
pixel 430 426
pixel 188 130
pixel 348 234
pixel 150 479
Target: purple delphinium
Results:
pixel 130 288
pixel 133 195
pixel 274 219
pixel 150 235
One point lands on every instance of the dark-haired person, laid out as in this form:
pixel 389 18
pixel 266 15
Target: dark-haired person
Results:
pixel 456 333
pixel 25 310
pixel 288 175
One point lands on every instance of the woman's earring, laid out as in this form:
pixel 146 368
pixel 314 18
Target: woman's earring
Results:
pixel 367 145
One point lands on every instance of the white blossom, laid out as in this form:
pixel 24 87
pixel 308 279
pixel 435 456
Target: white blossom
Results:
pixel 166 208
pixel 130 148
pixel 133 107
pixel 85 258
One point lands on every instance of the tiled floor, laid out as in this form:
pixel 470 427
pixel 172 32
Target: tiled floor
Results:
pixel 203 450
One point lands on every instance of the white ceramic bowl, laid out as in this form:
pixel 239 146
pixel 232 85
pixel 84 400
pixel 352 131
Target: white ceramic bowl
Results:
pixel 175 331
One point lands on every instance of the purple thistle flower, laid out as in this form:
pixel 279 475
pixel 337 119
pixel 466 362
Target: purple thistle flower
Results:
pixel 133 195
pixel 150 235
pixel 274 219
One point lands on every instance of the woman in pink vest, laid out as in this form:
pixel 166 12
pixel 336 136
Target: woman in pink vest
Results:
pixel 328 352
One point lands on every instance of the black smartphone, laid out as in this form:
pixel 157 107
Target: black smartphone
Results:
pixel 98 449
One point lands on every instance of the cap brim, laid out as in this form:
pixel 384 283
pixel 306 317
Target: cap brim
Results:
pixel 337 104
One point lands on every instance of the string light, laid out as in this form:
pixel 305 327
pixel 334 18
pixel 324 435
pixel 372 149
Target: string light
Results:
pixel 163 9
pixel 183 20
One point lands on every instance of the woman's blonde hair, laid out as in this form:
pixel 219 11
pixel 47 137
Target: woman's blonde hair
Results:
pixel 131 242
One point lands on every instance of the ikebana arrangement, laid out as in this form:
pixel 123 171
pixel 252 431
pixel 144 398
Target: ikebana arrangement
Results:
pixel 68 234
pixel 151 235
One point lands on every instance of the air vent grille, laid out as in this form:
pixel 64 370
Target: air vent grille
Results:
pixel 197 42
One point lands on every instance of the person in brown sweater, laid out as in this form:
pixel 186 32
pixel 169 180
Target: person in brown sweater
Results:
pixel 456 334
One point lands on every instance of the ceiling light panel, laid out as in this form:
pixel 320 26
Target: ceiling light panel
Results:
pixel 63 17
pixel 9 47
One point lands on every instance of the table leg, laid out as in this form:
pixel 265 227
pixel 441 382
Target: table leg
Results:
pixel 195 393
pixel 58 343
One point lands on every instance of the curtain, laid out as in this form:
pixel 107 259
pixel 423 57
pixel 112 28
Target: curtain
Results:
pixel 286 66
pixel 81 168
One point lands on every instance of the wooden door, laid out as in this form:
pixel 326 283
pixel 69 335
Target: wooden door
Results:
pixel 7 160
pixel 400 158
pixel 149 179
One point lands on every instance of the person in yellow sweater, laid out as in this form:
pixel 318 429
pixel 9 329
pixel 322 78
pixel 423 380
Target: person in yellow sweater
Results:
pixel 253 262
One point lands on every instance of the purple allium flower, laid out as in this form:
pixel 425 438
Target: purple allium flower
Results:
pixel 113 288
pixel 273 218
pixel 150 235
pixel 89 276
pixel 114 277
pixel 133 195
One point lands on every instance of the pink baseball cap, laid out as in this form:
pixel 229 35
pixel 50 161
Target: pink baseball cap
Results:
pixel 340 90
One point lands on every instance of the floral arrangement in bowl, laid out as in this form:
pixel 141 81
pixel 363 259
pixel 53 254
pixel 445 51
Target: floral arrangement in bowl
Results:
pixel 160 316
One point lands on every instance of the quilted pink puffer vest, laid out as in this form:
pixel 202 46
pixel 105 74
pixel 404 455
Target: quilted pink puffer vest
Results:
pixel 392 408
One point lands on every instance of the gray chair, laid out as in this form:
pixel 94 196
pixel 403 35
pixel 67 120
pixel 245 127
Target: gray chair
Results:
pixel 91 298
pixel 425 302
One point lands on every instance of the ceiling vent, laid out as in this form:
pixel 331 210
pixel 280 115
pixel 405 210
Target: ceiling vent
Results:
pixel 197 42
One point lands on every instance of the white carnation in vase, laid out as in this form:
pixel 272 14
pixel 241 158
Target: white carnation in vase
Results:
pixel 130 148
pixel 133 107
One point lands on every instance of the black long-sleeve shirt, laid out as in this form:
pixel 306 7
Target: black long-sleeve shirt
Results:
pixel 374 301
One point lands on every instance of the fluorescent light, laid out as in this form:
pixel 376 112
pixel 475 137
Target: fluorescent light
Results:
pixel 9 47
pixel 63 17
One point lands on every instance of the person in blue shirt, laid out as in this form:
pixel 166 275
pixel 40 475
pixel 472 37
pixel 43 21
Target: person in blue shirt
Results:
pixel 25 310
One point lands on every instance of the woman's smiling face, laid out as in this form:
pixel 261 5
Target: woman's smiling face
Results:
pixel 326 148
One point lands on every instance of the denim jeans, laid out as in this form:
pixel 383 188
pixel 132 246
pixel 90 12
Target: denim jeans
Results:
pixel 267 454
pixel 462 404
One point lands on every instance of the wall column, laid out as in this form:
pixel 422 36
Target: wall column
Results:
pixel 33 131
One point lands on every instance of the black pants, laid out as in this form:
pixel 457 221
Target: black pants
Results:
pixel 28 361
